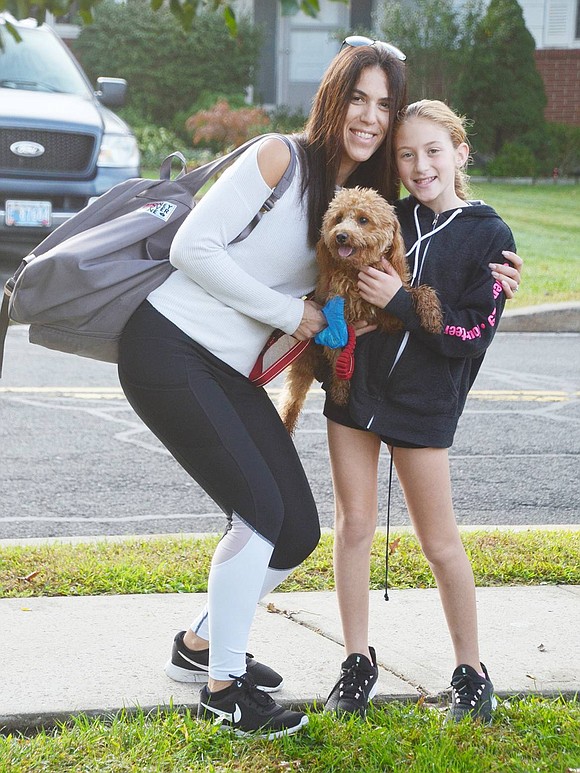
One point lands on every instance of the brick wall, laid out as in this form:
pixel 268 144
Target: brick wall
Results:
pixel 560 70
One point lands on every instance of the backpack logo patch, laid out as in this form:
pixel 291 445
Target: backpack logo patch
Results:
pixel 161 209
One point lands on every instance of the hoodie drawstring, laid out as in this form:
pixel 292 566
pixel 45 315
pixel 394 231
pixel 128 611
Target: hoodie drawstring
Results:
pixel 387 550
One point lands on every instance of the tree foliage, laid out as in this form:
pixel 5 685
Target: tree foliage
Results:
pixel 166 67
pixel 435 35
pixel 501 89
pixel 184 10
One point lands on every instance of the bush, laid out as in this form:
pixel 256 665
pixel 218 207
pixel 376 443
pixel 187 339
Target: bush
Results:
pixel 560 149
pixel 284 120
pixel 205 101
pixel 222 127
pixel 514 160
pixel 167 68
pixel 155 143
pixel 537 154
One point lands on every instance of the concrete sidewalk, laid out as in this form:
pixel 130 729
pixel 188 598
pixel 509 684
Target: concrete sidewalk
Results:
pixel 98 654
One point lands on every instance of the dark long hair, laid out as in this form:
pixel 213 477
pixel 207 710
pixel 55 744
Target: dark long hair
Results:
pixel 322 139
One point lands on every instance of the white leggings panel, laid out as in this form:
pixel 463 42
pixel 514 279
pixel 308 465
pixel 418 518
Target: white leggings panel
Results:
pixel 234 589
pixel 231 545
pixel 273 578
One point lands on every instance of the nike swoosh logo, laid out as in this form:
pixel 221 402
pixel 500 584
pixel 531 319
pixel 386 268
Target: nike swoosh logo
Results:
pixel 232 717
pixel 201 666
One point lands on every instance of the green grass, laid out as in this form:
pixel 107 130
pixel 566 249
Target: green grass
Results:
pixel 546 226
pixel 527 735
pixel 181 565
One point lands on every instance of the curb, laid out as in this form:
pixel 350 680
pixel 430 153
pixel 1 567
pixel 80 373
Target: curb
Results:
pixel 545 318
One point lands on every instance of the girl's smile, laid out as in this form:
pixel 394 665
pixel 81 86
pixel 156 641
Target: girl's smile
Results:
pixel 427 162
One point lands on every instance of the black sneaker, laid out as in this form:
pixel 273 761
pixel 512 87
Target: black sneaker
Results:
pixel 471 695
pixel 356 685
pixel 187 665
pixel 246 710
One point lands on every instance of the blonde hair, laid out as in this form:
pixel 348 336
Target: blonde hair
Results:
pixel 455 125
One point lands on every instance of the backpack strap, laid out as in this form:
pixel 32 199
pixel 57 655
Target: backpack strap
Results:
pixel 4 316
pixel 4 322
pixel 165 170
pixel 277 193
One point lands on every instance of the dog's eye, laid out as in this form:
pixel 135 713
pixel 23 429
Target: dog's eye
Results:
pixel 363 220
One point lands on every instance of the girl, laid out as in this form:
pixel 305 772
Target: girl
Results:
pixel 408 391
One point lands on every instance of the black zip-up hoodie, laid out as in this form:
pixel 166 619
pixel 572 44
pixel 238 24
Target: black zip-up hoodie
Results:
pixel 412 386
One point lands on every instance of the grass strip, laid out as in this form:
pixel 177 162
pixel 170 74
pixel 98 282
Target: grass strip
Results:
pixel 544 220
pixel 530 734
pixel 181 564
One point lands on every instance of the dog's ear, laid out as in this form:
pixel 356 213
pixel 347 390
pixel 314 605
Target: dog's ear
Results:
pixel 324 260
pixel 323 255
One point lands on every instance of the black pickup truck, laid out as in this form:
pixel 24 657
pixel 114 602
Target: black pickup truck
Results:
pixel 60 146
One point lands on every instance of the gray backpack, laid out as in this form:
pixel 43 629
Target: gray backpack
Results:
pixel 79 287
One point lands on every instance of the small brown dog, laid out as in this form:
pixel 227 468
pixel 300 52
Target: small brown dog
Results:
pixel 358 229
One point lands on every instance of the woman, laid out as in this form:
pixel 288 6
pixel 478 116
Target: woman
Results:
pixel 187 351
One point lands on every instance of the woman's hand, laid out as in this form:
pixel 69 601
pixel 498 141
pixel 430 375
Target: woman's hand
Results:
pixel 313 321
pixel 509 276
pixel 379 287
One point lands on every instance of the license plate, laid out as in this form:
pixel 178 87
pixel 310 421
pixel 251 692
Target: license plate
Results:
pixel 28 214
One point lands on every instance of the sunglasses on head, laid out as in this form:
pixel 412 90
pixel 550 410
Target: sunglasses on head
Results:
pixel 355 41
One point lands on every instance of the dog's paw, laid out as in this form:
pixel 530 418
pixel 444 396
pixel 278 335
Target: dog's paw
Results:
pixel 428 308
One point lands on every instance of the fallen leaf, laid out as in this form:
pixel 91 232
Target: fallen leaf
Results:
pixel 30 576
pixel 270 607
pixel 421 701
pixel 394 545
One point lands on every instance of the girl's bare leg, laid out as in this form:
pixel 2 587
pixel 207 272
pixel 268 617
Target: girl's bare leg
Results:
pixel 425 479
pixel 354 456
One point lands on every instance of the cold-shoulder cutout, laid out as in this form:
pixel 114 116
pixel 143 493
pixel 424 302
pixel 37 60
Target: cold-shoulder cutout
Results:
pixel 273 160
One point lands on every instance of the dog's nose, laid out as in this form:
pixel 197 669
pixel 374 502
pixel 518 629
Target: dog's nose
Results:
pixel 341 238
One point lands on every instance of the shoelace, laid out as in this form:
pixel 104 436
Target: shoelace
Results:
pixel 351 682
pixel 258 697
pixel 466 690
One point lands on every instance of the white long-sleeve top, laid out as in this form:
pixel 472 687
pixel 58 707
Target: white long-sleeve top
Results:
pixel 229 297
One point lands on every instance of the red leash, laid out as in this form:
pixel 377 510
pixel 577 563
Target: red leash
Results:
pixel 345 362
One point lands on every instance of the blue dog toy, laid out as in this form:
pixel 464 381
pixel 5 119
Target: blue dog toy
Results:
pixel 336 334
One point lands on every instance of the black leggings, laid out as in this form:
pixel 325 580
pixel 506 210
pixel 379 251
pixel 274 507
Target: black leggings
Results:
pixel 223 430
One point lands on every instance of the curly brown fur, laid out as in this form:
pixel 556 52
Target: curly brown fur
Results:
pixel 358 229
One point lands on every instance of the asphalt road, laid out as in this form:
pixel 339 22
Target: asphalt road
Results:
pixel 75 460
